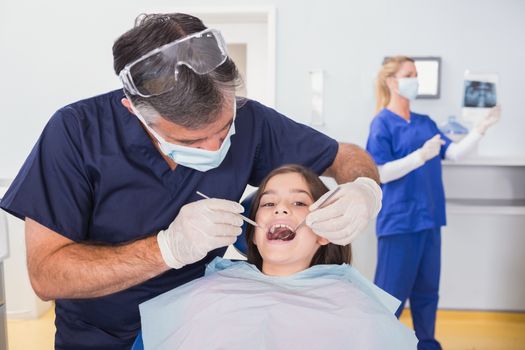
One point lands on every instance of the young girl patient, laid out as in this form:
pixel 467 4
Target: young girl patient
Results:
pixel 296 291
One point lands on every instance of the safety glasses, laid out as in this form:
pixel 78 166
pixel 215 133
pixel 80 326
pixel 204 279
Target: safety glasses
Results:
pixel 156 72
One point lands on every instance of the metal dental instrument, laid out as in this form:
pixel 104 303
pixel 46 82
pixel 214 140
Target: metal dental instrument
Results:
pixel 251 222
pixel 320 206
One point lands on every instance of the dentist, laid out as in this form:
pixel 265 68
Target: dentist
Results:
pixel 108 192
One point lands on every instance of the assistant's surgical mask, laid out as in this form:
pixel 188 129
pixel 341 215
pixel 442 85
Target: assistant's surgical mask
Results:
pixel 408 87
pixel 156 72
pixel 192 157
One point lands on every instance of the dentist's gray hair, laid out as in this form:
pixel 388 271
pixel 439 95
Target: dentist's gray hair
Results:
pixel 196 100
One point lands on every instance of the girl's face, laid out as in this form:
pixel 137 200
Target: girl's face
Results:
pixel 284 204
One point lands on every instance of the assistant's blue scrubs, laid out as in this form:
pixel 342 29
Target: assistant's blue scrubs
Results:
pixel 95 176
pixel 409 223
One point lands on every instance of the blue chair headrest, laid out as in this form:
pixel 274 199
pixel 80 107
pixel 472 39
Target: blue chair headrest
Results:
pixel 240 243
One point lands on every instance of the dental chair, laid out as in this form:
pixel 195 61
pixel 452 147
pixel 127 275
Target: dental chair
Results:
pixel 240 246
pixel 240 243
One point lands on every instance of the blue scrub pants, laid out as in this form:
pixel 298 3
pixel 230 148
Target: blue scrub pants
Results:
pixel 408 267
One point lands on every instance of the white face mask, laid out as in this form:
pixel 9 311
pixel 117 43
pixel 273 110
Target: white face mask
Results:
pixel 191 157
pixel 408 87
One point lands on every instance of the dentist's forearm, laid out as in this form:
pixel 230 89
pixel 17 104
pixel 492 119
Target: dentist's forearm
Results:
pixel 350 163
pixel 62 269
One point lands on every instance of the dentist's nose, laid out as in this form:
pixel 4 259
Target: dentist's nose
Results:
pixel 212 144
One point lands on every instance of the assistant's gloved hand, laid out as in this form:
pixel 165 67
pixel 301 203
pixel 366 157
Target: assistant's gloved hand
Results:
pixel 199 228
pixel 350 211
pixel 492 117
pixel 431 148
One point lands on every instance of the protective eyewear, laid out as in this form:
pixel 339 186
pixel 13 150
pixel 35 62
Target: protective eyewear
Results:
pixel 156 72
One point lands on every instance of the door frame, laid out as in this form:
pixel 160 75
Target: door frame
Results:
pixel 241 14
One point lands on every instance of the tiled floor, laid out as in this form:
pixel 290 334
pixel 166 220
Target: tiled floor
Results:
pixel 455 330
pixel 32 334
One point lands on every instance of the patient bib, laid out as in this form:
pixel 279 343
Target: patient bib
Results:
pixel 235 306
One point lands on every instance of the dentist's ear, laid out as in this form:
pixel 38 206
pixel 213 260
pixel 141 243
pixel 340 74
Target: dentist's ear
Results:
pixel 127 103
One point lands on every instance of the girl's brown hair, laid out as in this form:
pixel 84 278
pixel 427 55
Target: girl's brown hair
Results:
pixel 326 254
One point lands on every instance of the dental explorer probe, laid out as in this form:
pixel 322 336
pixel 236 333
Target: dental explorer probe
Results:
pixel 242 216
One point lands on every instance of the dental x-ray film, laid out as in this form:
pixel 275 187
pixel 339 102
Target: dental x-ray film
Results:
pixel 479 95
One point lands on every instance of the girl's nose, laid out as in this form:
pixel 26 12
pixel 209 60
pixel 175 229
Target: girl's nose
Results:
pixel 281 210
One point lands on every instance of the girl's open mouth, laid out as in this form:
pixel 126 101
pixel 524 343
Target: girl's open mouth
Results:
pixel 280 232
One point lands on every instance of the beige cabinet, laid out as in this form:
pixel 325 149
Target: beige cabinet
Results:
pixel 483 264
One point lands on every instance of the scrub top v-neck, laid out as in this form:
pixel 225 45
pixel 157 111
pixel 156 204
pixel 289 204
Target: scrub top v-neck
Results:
pixel 172 178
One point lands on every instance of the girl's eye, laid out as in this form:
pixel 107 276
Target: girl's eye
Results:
pixel 267 204
pixel 299 204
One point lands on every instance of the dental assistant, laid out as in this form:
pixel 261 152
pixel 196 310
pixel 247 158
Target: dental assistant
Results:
pixel 108 193
pixel 408 148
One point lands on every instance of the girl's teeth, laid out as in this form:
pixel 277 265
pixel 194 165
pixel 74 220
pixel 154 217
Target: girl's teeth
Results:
pixel 274 227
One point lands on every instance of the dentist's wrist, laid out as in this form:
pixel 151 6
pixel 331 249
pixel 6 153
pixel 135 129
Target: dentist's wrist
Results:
pixel 375 194
pixel 166 251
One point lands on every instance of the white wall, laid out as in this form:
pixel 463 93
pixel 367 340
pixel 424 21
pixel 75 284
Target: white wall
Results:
pixel 57 51
pixel 21 300
pixel 476 35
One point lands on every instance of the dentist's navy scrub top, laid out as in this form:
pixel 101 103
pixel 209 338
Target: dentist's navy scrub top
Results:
pixel 416 201
pixel 95 176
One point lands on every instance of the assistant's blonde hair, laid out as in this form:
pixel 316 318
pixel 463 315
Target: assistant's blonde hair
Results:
pixel 389 69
